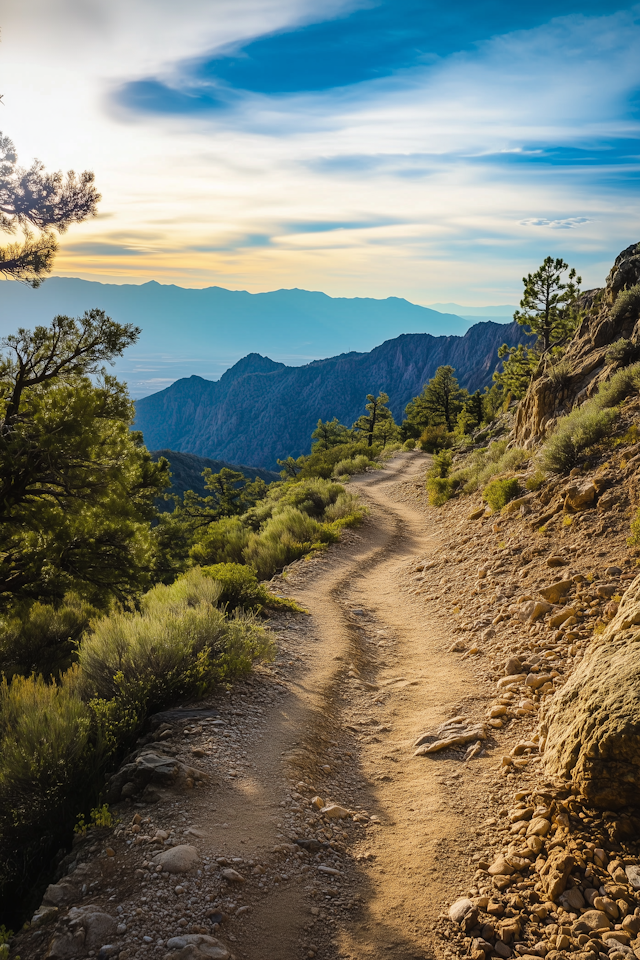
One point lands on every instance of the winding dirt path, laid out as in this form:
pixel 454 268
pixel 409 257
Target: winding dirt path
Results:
pixel 374 674
pixel 353 685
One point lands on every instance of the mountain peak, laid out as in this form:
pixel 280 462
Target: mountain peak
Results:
pixel 252 363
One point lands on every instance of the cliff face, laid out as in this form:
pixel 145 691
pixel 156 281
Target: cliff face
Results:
pixel 259 410
pixel 585 364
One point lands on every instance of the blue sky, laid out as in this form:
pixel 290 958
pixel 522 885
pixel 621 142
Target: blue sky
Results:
pixel 384 147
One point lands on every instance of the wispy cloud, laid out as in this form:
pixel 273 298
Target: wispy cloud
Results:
pixel 373 147
pixel 569 223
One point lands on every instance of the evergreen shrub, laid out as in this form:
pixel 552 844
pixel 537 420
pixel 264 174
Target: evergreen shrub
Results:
pixel 499 492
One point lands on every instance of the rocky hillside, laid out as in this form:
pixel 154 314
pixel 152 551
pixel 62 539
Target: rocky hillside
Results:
pixel 260 410
pixel 612 314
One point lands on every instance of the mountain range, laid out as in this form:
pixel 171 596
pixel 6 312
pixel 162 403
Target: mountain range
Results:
pixel 260 409
pixel 205 331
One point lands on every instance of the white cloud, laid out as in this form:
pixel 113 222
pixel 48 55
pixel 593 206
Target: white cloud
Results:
pixel 471 129
pixel 569 223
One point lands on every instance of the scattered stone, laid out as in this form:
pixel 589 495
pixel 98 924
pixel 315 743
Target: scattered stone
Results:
pixel 591 920
pixel 232 876
pixel 633 873
pixel 335 812
pixel 556 591
pixel 462 909
pixel 180 859
pixel 580 497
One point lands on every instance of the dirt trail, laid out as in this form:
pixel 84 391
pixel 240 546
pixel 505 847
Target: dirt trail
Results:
pixel 353 685
pixel 351 737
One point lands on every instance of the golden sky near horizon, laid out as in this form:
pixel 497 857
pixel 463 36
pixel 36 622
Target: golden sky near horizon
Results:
pixel 259 144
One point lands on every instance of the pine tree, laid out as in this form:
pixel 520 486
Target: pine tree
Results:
pixel 440 402
pixel 519 365
pixel 38 203
pixel 548 304
pixel 377 411
pixel 328 434
pixel 77 487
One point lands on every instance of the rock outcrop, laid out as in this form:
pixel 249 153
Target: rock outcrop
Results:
pixel 593 723
pixel 585 365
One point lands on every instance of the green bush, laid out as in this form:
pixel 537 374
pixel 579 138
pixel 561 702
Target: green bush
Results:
pixel 178 646
pixel 441 464
pixel 57 741
pixel 46 770
pixel 223 541
pixel 498 492
pixel 348 468
pixel 347 507
pixel 627 303
pixel 286 537
pixel 308 496
pixel 240 588
pixel 574 434
pixel 321 463
pixel 294 518
pixel 486 463
pixel 622 384
pixel 38 638
pixel 433 439
pixel 535 481
pixel 409 444
pixel 439 490
pixel 622 351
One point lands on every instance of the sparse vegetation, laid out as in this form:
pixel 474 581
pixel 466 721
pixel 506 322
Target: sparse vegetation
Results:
pixel 622 352
pixel 359 464
pixel 588 424
pixel 57 740
pixel 484 464
pixel 499 492
pixel 627 303
pixel 577 432
pixel 439 487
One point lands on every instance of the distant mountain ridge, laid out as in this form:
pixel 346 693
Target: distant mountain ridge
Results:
pixel 260 410
pixel 205 331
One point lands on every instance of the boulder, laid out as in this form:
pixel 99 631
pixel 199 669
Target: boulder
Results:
pixel 463 912
pixel 149 768
pixel 180 859
pixel 556 591
pixel 580 497
pixel 592 724
pixel 99 927
pixel 559 618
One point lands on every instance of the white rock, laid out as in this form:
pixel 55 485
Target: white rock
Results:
pixel 633 873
